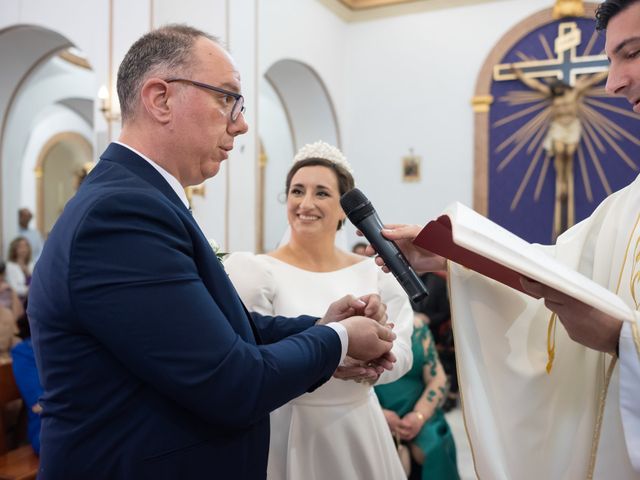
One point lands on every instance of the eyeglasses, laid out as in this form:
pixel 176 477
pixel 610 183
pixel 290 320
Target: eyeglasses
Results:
pixel 238 100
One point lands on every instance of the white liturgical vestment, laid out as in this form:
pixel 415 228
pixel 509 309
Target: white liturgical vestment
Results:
pixel 526 424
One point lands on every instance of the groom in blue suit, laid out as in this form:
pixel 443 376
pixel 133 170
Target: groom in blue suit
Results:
pixel 151 366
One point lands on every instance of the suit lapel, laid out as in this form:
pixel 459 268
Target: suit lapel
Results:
pixel 209 267
pixel 132 161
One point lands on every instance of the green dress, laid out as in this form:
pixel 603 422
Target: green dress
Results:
pixel 435 438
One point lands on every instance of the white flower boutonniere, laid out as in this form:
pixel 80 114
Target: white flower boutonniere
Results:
pixel 216 249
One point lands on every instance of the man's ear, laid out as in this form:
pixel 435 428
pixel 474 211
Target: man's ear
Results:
pixel 155 99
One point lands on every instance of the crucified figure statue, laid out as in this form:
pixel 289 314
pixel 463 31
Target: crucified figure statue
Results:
pixel 563 138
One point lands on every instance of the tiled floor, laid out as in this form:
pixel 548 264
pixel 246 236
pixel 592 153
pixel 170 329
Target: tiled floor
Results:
pixel 465 461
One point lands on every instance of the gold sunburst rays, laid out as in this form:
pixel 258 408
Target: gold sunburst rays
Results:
pixel 528 135
pixel 542 177
pixel 599 92
pixel 611 108
pixel 591 44
pixel 522 113
pixel 612 126
pixel 599 135
pixel 523 56
pixel 597 164
pixel 584 174
pixel 527 176
pixel 522 97
pixel 608 133
pixel 546 47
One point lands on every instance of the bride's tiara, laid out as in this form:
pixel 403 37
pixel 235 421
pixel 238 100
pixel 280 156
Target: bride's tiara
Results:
pixel 325 151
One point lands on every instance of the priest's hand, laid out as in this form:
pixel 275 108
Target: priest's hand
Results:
pixel 367 306
pixel 584 324
pixel 420 259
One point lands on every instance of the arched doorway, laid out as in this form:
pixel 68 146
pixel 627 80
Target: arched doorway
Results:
pixel 61 165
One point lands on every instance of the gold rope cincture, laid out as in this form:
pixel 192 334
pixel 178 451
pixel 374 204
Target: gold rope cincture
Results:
pixel 551 341
pixel 603 393
pixel 599 417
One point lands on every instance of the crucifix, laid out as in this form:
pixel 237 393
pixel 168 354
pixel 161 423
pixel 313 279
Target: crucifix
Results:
pixel 568 76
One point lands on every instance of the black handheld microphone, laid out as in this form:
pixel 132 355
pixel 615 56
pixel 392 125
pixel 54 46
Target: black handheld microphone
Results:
pixel 362 214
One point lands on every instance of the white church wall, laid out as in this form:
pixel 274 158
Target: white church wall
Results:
pixel 411 81
pixel 277 142
pixel 242 162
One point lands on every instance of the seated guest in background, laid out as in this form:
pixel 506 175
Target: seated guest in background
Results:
pixel 8 297
pixel 337 431
pixel 11 310
pixel 19 266
pixel 31 234
pixel 437 310
pixel 411 407
pixel 26 374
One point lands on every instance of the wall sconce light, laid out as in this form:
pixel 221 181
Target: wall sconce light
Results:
pixel 110 115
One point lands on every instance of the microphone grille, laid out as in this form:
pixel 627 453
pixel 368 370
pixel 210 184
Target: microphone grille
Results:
pixel 352 200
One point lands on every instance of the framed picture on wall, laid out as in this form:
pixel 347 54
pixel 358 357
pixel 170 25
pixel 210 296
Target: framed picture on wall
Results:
pixel 411 168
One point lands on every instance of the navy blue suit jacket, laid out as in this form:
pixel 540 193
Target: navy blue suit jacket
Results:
pixel 150 364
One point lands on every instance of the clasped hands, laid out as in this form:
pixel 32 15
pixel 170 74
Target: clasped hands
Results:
pixel 370 337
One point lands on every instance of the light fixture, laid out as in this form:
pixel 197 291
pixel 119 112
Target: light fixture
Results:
pixel 110 114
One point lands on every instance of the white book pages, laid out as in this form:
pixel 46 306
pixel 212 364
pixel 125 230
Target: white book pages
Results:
pixel 479 235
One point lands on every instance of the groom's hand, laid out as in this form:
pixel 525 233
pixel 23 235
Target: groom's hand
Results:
pixel 348 306
pixel 368 340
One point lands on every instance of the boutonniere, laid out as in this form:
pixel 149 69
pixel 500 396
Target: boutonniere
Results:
pixel 216 249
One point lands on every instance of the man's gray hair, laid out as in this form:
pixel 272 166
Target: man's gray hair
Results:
pixel 161 52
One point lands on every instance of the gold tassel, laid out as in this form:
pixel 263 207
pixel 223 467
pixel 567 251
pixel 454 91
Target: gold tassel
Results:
pixel 551 342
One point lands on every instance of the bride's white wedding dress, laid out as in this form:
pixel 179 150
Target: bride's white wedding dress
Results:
pixel 337 431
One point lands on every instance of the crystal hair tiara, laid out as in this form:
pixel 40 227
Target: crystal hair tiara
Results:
pixel 323 150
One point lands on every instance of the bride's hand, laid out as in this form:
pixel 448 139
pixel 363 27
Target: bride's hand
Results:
pixel 365 372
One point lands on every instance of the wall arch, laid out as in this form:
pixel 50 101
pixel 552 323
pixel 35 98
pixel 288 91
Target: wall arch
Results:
pixel 34 84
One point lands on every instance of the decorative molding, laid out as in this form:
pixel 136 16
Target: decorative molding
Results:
pixel 227 170
pixel 392 8
pixel 74 59
pixel 260 191
pixel 481 103
pixel 110 118
pixel 568 8
pixel 365 4
pixel 38 171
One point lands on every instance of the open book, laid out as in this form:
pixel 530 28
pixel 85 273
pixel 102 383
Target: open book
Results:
pixel 469 239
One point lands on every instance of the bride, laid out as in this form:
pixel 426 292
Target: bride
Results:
pixel 337 431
